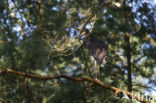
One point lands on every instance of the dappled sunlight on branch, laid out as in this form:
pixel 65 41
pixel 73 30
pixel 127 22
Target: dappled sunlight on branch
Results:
pixel 75 79
pixel 65 47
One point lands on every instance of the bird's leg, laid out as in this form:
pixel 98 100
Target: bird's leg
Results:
pixel 97 66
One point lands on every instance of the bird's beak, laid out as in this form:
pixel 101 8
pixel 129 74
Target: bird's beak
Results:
pixel 82 34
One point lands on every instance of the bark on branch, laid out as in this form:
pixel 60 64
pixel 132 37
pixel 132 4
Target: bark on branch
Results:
pixel 76 79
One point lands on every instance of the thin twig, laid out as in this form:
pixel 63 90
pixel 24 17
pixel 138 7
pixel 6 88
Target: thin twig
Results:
pixel 86 91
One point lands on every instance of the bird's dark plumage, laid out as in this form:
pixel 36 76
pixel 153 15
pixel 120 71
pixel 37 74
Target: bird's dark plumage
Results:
pixel 97 48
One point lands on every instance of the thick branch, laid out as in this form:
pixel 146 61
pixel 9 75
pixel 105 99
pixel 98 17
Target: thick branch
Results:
pixel 128 54
pixel 75 79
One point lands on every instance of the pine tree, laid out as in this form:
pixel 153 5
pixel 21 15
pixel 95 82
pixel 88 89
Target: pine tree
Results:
pixel 39 40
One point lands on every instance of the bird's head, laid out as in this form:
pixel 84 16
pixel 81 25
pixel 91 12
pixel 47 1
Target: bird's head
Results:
pixel 85 33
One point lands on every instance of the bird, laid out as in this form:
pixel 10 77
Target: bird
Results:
pixel 97 48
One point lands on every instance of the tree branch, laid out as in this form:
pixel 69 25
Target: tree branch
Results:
pixel 76 79
pixel 91 84
pixel 102 5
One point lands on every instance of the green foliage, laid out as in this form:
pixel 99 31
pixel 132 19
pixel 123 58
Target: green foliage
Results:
pixel 39 37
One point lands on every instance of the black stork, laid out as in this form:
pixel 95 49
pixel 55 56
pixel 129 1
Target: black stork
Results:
pixel 97 48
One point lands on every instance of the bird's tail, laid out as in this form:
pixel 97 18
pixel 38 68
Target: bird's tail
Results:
pixel 104 60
